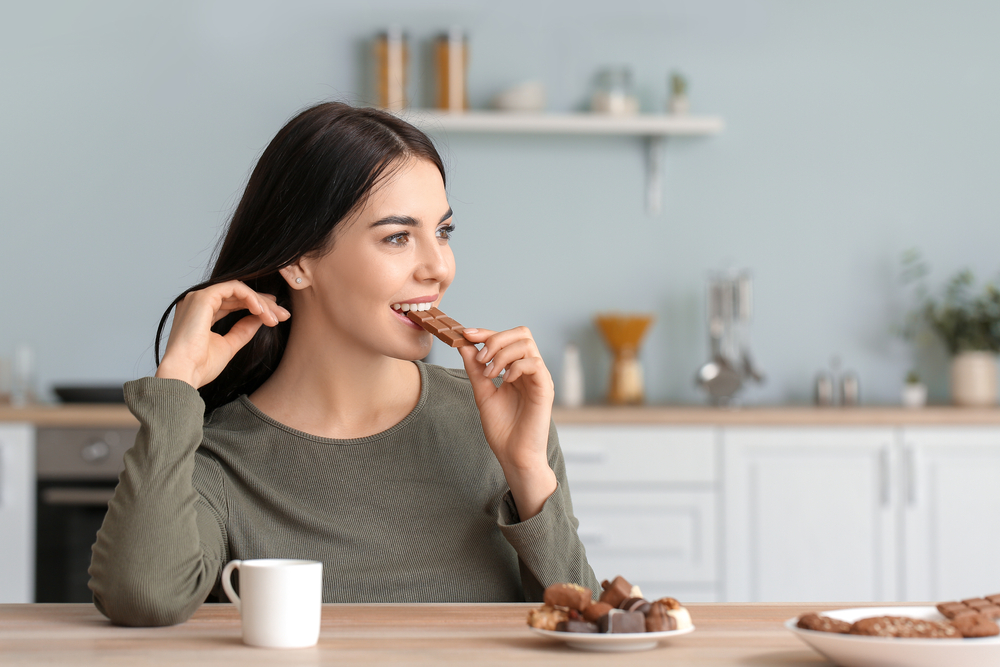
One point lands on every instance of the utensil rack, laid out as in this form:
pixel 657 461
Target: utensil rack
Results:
pixel 653 128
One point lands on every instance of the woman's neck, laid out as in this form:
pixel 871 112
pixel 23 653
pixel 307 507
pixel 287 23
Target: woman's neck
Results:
pixel 336 393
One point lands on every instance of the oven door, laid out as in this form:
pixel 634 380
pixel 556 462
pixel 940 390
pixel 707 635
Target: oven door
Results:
pixel 77 474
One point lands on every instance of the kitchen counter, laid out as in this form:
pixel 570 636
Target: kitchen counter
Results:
pixel 427 634
pixel 106 416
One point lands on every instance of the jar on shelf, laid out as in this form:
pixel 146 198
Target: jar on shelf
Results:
pixel 613 93
pixel 391 62
pixel 451 61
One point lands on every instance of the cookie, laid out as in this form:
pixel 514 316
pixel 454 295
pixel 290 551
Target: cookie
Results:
pixel 976 625
pixel 823 624
pixel 572 596
pixel 899 626
pixel 546 617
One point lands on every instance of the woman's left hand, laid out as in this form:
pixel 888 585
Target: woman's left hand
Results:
pixel 516 415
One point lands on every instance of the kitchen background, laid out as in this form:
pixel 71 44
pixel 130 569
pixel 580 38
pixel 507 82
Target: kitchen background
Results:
pixel 855 130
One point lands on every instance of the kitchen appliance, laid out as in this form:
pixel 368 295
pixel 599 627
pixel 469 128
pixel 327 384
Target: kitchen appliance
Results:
pixel 77 473
pixel 730 307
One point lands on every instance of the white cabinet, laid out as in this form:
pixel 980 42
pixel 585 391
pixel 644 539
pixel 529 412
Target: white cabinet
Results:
pixel 809 514
pixel 646 499
pixel 17 513
pixel 951 487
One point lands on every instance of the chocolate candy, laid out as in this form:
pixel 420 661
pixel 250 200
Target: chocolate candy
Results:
pixel 616 591
pixel 976 625
pixel 658 618
pixel 634 604
pixel 439 324
pixel 682 617
pixel 576 626
pixel 969 607
pixel 619 621
pixel 573 596
pixel 596 610
pixel 546 617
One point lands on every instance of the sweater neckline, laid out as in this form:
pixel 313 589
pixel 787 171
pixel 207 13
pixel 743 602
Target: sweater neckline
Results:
pixel 254 411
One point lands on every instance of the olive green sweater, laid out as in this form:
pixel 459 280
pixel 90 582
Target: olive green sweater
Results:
pixel 420 512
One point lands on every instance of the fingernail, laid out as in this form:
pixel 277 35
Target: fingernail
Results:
pixel 486 371
pixel 482 354
pixel 285 311
pixel 471 330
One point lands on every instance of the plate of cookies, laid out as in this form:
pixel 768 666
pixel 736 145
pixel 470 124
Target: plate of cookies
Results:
pixel 620 620
pixel 952 633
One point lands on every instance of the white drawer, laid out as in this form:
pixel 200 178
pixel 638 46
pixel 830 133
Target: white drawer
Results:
pixel 639 453
pixel 656 539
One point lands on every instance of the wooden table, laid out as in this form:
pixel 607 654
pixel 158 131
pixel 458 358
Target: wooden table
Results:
pixel 422 634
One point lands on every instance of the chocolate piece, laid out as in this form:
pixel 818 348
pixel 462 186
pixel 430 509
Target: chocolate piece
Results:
pixel 658 619
pixel 682 617
pixel 442 326
pixel 615 591
pixel 618 621
pixel 546 617
pixel 670 603
pixel 991 611
pixel 573 596
pixel 976 625
pixel 634 604
pixel 823 624
pixel 976 603
pixel 900 626
pixel 596 610
pixel 576 626
pixel 995 598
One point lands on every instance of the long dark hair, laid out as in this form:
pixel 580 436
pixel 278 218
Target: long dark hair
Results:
pixel 316 171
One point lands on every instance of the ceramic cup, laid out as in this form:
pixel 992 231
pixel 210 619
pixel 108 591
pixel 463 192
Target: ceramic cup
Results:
pixel 280 600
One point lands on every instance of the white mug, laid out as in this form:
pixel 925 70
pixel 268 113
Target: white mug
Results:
pixel 281 600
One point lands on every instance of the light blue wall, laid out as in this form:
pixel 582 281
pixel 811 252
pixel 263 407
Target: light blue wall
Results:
pixel 854 130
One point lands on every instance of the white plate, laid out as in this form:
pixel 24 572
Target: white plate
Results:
pixel 613 641
pixel 859 651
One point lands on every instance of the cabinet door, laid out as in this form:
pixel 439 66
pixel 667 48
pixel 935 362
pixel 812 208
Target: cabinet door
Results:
pixel 17 513
pixel 809 514
pixel 646 498
pixel 951 484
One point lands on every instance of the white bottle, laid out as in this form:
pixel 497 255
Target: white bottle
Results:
pixel 571 391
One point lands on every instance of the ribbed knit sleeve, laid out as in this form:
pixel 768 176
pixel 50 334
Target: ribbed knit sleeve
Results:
pixel 548 548
pixel 162 545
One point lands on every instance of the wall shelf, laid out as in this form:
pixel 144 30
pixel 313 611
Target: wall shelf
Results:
pixel 653 128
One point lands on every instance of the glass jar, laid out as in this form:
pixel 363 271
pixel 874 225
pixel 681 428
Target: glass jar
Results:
pixel 613 92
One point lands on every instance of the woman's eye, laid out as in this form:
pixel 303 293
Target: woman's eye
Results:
pixel 446 232
pixel 398 239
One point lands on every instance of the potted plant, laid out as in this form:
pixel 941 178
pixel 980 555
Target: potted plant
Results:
pixel 914 391
pixel 969 325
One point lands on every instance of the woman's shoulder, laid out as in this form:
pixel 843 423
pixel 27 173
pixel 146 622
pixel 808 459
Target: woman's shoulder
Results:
pixel 447 385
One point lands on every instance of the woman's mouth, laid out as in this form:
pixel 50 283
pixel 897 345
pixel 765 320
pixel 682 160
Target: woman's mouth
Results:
pixel 400 310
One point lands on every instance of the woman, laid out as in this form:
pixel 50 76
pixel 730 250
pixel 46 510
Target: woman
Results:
pixel 289 416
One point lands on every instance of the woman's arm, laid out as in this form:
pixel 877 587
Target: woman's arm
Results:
pixel 162 543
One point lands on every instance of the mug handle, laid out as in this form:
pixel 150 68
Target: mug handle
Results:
pixel 227 585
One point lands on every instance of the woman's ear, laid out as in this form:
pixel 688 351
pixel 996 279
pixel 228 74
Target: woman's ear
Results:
pixel 296 274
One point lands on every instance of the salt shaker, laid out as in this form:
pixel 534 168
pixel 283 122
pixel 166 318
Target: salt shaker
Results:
pixel 850 389
pixel 571 392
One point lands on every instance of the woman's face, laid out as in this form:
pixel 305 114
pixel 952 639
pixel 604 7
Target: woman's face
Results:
pixel 393 251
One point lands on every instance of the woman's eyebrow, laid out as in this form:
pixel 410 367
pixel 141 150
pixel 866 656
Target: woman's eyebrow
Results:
pixel 406 220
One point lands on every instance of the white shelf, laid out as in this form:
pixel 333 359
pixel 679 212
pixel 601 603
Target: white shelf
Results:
pixel 646 125
pixel 654 128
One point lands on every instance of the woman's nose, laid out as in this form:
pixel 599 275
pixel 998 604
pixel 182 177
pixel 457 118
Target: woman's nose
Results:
pixel 434 263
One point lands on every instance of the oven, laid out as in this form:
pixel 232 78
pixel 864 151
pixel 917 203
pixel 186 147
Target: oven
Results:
pixel 77 474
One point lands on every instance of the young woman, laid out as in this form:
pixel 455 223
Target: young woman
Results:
pixel 289 416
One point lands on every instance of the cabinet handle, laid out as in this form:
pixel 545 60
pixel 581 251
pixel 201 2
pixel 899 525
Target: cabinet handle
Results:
pixel 883 473
pixel 911 476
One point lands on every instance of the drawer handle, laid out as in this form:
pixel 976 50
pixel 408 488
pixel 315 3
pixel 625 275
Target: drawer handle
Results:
pixel 594 456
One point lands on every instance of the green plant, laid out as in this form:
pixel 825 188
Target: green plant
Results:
pixel 912 378
pixel 966 322
pixel 678 85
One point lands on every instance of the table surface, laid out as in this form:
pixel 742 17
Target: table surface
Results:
pixel 370 634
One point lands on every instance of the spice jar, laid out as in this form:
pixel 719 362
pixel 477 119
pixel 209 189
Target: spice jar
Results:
pixel 451 60
pixel 613 93
pixel 391 61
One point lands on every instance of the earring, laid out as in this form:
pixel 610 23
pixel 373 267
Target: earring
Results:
pixel 298 280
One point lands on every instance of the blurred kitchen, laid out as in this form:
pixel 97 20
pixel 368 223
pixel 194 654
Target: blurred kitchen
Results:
pixel 764 252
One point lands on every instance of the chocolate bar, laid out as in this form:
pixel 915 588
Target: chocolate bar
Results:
pixel 446 329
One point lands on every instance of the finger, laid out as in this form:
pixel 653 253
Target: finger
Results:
pixel 242 332
pixel 505 356
pixel 482 386
pixel 526 368
pixel 500 340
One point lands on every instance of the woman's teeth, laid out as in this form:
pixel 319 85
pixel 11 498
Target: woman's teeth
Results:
pixel 406 307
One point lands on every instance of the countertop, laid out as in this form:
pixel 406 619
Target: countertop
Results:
pixel 391 634
pixel 107 416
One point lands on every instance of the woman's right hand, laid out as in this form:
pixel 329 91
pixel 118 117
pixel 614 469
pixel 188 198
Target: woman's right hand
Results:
pixel 195 353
